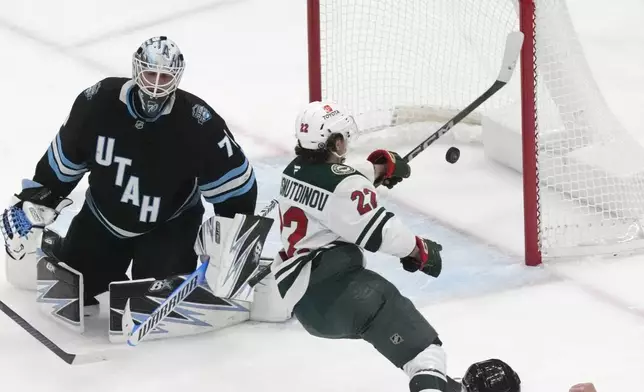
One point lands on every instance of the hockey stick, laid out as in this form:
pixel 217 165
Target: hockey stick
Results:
pixel 513 45
pixel 69 358
pixel 62 354
pixel 140 331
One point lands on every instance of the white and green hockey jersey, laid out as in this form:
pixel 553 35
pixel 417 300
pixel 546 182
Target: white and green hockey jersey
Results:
pixel 323 204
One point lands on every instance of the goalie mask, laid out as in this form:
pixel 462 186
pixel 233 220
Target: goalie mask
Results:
pixel 157 67
pixel 492 375
pixel 319 120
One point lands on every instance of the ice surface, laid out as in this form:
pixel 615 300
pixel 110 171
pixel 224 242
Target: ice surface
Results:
pixel 557 325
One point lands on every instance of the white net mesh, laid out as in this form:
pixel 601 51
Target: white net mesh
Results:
pixel 394 62
pixel 591 170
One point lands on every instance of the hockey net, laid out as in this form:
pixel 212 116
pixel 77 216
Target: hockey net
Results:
pixel 404 63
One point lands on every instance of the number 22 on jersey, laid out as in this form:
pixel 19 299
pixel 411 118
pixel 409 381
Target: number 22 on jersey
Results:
pixel 365 206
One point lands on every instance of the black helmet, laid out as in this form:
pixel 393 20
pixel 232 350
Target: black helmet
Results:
pixel 492 375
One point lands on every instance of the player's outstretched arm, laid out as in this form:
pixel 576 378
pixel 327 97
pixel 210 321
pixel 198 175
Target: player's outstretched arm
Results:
pixel 65 161
pixel 356 215
pixel 226 177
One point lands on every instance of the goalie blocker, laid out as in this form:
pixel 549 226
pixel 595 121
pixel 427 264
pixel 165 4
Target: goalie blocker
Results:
pixel 233 248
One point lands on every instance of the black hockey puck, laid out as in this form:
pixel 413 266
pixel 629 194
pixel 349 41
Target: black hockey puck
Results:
pixel 452 155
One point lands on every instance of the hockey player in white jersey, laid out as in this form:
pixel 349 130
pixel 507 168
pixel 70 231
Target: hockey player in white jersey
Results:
pixel 329 213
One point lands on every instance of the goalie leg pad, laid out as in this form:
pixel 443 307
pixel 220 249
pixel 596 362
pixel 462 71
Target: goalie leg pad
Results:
pixel 234 247
pixel 200 312
pixel 268 305
pixel 60 293
pixel 22 273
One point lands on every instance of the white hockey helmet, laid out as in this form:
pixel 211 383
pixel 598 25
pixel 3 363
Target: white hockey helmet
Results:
pixel 319 120
pixel 157 67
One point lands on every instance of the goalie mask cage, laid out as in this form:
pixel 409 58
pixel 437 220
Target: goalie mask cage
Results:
pixel 399 63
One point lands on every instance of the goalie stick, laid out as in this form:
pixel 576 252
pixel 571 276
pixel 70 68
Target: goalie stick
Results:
pixel 140 331
pixel 69 358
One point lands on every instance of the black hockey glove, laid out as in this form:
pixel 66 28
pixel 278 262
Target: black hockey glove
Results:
pixel 41 196
pixel 397 168
pixel 428 260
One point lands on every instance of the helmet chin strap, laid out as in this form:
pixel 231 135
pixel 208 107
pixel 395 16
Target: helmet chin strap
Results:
pixel 341 157
pixel 151 107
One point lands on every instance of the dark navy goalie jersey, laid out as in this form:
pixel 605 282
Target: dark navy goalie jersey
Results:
pixel 143 173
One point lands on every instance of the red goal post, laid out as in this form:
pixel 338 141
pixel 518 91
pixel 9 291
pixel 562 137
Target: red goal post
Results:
pixel 404 63
pixel 529 134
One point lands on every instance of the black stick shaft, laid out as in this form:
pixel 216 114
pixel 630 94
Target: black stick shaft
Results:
pixel 455 120
pixel 62 354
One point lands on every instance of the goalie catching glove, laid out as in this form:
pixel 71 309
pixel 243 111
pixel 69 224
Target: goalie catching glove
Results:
pixel 396 168
pixel 22 223
pixel 428 259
